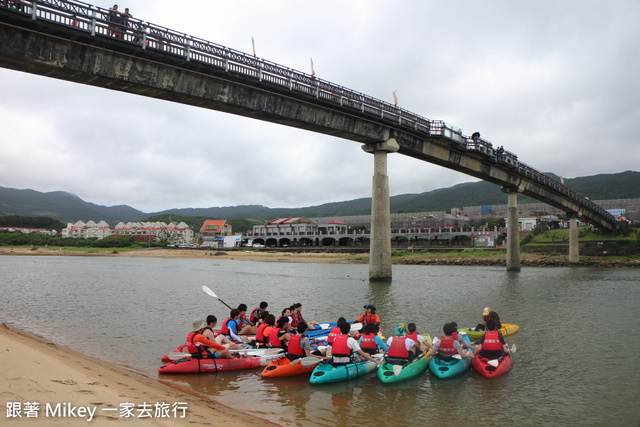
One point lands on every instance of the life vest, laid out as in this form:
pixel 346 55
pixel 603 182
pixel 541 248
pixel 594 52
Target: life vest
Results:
pixel 198 348
pixel 398 348
pixel 368 318
pixel 340 347
pixel 368 342
pixel 446 346
pixel 298 317
pixel 260 335
pixel 491 341
pixel 293 346
pixel 335 332
pixel 273 339
pixel 414 336
pixel 455 336
pixel 225 326
pixel 255 314
pixel 293 322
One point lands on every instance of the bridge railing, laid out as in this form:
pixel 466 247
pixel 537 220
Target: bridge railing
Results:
pixel 99 21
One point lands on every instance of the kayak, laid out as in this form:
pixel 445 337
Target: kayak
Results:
pixel 481 365
pixel 283 367
pixel 507 329
pixel 327 373
pixel 447 368
pixel 183 348
pixel 412 369
pixel 190 365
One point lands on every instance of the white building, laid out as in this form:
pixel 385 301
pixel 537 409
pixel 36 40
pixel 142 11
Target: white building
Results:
pixel 82 230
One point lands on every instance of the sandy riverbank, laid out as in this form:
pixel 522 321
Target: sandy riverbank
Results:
pixel 436 258
pixel 33 370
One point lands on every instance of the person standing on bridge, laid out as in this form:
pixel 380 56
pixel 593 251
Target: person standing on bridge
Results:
pixel 113 19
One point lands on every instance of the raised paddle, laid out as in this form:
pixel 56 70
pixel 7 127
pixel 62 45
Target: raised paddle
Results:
pixel 209 292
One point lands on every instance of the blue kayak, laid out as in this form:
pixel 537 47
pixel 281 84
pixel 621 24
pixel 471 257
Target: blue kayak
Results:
pixel 328 373
pixel 447 368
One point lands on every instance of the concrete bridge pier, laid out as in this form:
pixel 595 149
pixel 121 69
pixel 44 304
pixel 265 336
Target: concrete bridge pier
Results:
pixel 513 230
pixel 573 238
pixel 380 247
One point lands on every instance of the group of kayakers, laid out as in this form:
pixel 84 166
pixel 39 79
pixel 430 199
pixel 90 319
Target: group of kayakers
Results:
pixel 289 332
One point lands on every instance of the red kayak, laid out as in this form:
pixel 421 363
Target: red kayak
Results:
pixel 183 348
pixel 482 365
pixel 189 365
pixel 284 367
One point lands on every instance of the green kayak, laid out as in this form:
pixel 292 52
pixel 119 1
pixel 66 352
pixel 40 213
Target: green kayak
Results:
pixel 390 373
pixel 506 329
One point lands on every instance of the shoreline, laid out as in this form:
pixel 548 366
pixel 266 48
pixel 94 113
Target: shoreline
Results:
pixel 36 370
pixel 440 258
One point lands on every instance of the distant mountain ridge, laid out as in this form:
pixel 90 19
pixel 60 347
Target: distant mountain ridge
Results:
pixel 67 207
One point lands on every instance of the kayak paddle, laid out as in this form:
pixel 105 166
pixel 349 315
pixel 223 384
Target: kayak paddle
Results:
pixel 309 361
pixel 209 292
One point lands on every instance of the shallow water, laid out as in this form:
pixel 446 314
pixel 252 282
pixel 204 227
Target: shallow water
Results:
pixel 572 366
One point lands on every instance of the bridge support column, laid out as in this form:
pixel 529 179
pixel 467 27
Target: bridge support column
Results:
pixel 380 246
pixel 573 239
pixel 513 230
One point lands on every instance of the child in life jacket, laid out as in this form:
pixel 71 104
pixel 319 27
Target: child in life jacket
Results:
pixel 492 344
pixel 370 342
pixel 447 346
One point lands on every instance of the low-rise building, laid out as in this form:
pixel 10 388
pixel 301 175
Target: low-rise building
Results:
pixel 213 232
pixel 82 230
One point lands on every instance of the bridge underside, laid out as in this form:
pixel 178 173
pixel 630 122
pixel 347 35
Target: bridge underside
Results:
pixel 74 55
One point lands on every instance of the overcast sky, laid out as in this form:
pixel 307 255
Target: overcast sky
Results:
pixel 556 82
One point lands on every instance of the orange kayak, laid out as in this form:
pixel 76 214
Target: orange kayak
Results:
pixel 284 367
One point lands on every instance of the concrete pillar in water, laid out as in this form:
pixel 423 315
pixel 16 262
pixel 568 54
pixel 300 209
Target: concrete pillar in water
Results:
pixel 513 230
pixel 573 238
pixel 380 245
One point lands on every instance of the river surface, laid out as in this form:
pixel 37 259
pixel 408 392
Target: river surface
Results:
pixel 577 361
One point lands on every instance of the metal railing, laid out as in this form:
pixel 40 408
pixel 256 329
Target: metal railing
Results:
pixel 100 22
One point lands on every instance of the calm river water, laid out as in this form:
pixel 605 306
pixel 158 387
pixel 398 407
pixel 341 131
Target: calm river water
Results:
pixel 576 364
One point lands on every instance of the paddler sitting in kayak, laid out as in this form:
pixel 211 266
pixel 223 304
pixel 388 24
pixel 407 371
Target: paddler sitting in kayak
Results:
pixel 265 328
pixel 299 345
pixel 220 339
pixel 244 326
pixel 492 344
pixel 344 348
pixel 459 337
pixel 230 325
pixel 447 346
pixel 370 342
pixel 280 334
pixel 200 346
pixel 335 331
pixel 369 316
pixel 402 349
pixel 412 333
pixel 297 314
pixel 256 313
pixel 486 315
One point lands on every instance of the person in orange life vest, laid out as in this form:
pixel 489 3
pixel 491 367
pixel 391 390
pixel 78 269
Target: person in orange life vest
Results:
pixel 459 337
pixel 413 334
pixel 199 344
pixel 220 339
pixel 335 331
pixel 299 318
pixel 486 315
pixel 256 313
pixel 262 334
pixel 344 347
pixel 280 335
pixel 370 342
pixel 300 346
pixel 447 346
pixel 369 316
pixel 243 325
pixel 230 325
pixel 402 348
pixel 492 344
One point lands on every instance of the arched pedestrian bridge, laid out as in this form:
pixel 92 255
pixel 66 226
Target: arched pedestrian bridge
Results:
pixel 79 42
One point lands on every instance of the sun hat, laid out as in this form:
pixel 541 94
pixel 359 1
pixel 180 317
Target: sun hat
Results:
pixel 198 324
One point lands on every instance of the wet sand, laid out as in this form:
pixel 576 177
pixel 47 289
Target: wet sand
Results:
pixel 34 370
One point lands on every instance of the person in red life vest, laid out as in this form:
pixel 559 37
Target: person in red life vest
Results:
pixel 370 342
pixel 220 339
pixel 256 313
pixel 299 345
pixel 298 315
pixel 412 333
pixel 486 315
pixel 344 348
pixel 369 316
pixel 287 313
pixel 230 325
pixel 280 334
pixel 492 344
pixel 244 326
pixel 447 346
pixel 335 331
pixel 459 336
pixel 402 349
pixel 199 345
pixel 265 328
